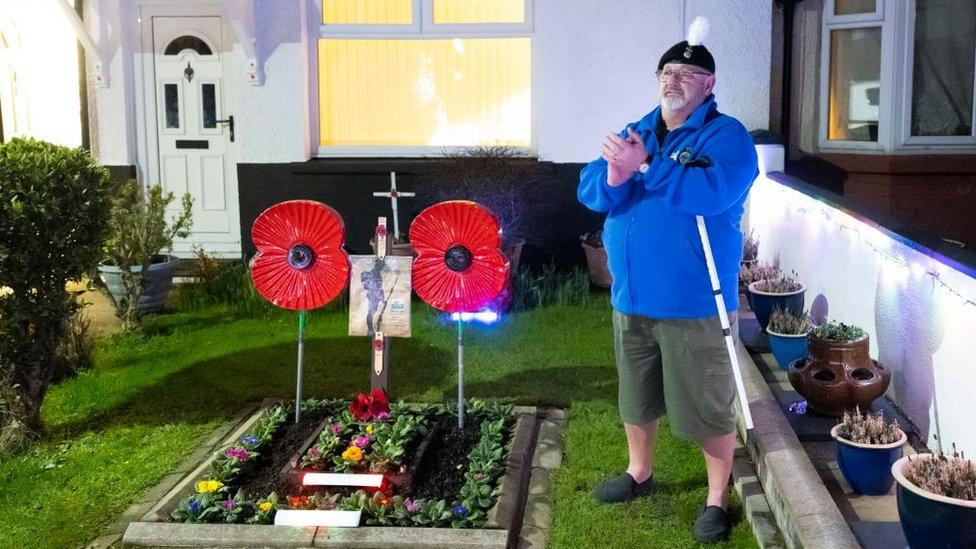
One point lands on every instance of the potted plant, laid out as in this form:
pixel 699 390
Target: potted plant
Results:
pixel 937 499
pixel 753 272
pixel 867 446
pixel 136 272
pixel 788 336
pixel 783 292
pixel 596 259
pixel 838 374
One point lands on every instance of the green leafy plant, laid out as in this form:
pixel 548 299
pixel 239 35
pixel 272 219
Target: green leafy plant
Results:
pixel 138 233
pixel 868 428
pixel 838 332
pixel 786 323
pixel 54 209
pixel 952 478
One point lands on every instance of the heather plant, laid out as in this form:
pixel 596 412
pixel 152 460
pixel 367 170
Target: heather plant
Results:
pixel 950 476
pixel 750 248
pixel 781 284
pixel 838 332
pixel 867 428
pixel 757 271
pixel 786 323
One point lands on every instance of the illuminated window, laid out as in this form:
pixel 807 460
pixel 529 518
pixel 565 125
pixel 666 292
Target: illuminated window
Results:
pixel 400 78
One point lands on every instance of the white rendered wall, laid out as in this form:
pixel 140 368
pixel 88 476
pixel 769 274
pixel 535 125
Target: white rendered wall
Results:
pixel 918 327
pixel 591 72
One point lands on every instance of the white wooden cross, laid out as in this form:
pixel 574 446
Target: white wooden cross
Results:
pixel 392 195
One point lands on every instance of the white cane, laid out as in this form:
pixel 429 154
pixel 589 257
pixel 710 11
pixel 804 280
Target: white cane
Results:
pixel 724 317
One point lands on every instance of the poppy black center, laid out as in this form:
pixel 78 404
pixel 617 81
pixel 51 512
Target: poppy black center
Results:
pixel 458 258
pixel 300 256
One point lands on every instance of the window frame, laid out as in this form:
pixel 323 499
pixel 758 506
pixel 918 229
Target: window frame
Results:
pixel 421 27
pixel 897 23
pixel 906 140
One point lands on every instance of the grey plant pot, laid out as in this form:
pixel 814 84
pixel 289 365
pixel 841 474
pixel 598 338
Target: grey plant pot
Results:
pixel 159 282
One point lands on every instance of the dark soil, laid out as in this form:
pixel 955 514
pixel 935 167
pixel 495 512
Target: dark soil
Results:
pixel 260 477
pixel 442 473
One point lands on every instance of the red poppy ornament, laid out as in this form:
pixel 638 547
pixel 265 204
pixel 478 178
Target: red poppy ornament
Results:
pixel 459 266
pixel 301 264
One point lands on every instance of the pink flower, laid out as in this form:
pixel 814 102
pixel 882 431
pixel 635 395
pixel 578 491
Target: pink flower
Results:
pixel 362 441
pixel 239 453
pixel 382 415
pixel 336 428
pixel 411 505
pixel 314 452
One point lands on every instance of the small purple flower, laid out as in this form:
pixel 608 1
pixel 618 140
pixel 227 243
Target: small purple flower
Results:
pixel 411 505
pixel 336 428
pixel 194 507
pixel 362 441
pixel 460 511
pixel 228 504
pixel 251 441
pixel 382 415
pixel 314 452
pixel 239 453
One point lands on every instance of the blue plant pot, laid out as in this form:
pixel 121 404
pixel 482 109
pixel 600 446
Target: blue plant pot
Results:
pixel 931 520
pixel 763 303
pixel 787 348
pixel 867 467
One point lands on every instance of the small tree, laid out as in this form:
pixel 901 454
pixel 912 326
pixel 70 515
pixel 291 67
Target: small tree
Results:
pixel 138 232
pixel 54 207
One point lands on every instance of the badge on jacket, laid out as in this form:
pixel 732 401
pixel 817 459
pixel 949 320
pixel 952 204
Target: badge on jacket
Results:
pixel 684 158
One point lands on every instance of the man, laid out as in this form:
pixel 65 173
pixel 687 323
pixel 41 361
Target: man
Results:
pixel 681 160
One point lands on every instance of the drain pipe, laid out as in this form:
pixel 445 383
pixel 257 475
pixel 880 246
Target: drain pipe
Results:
pixel 787 76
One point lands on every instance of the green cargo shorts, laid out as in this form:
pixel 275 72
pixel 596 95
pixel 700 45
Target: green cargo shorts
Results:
pixel 675 366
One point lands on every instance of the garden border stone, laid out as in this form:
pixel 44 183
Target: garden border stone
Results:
pixel 521 516
pixel 804 511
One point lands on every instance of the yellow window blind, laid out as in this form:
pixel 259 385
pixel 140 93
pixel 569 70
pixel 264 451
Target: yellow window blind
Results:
pixel 367 12
pixel 424 92
pixel 479 11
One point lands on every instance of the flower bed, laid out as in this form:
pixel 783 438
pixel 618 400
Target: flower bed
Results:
pixel 451 484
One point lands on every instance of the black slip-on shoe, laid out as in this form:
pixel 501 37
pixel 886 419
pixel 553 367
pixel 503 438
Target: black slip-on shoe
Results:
pixel 623 487
pixel 713 525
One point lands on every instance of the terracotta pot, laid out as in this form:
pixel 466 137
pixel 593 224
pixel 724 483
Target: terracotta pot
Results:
pixel 596 264
pixel 838 376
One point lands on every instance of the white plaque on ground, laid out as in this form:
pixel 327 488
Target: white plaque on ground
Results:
pixel 338 519
pixel 379 295
pixel 342 479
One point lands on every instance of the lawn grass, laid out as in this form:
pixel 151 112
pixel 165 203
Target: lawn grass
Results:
pixel 118 429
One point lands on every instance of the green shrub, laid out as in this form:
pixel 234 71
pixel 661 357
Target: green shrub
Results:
pixel 838 332
pixel 138 232
pixel 550 287
pixel 54 208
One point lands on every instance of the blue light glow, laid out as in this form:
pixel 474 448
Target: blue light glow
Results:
pixel 485 316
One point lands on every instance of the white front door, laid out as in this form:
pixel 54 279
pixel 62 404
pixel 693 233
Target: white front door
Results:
pixel 194 132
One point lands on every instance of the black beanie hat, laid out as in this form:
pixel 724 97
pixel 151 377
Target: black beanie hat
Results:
pixel 688 55
pixel 691 51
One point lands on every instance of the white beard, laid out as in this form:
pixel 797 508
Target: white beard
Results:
pixel 673 102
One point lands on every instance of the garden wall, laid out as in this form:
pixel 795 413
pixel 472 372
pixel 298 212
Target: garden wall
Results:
pixel 915 296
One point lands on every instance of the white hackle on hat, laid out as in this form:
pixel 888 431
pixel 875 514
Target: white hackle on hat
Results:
pixel 697 31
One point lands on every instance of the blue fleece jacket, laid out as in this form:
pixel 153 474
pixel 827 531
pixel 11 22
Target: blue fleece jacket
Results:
pixel 705 167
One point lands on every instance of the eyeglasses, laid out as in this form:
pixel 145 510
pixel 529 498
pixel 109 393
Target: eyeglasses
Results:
pixel 683 76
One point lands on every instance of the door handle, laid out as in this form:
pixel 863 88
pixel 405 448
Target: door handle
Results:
pixel 230 122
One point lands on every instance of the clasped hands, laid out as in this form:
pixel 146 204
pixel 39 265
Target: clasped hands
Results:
pixel 623 156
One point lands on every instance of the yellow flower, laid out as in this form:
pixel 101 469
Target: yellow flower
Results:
pixel 264 506
pixel 206 486
pixel 353 454
pixel 369 429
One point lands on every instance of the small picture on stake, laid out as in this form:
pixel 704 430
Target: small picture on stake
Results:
pixel 379 295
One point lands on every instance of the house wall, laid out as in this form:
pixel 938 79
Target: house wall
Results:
pixel 592 72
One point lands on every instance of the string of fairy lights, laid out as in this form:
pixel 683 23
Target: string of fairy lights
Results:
pixel 877 241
